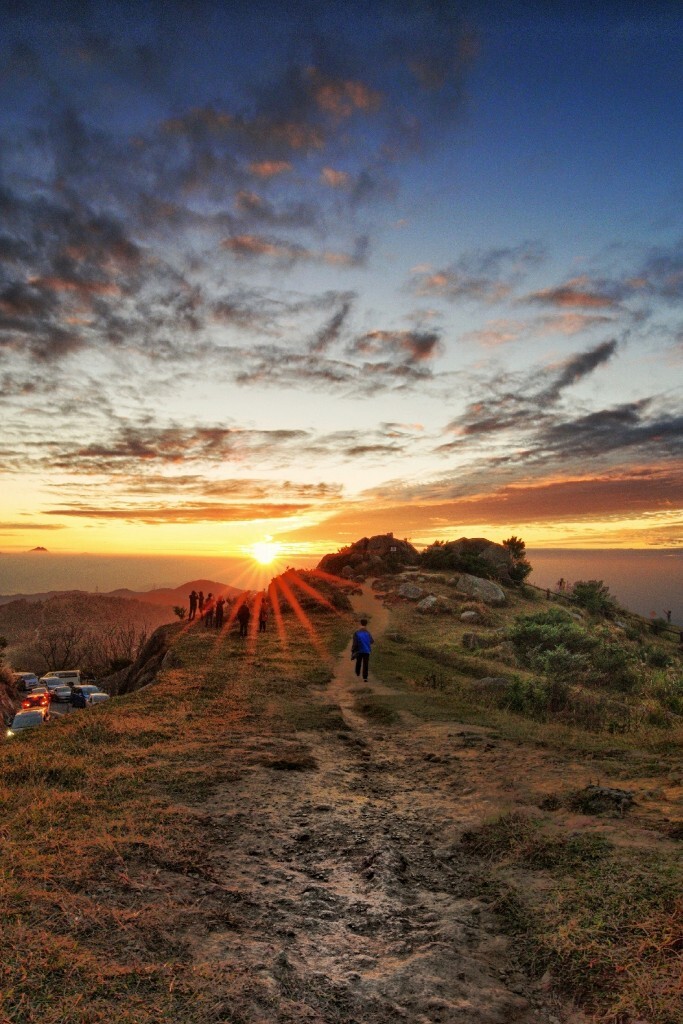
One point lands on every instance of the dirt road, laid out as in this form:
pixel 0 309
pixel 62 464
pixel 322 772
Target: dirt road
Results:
pixel 340 891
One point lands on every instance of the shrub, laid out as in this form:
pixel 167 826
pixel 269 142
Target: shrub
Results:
pixel 536 699
pixel 657 658
pixel 614 665
pixel 657 626
pixel 594 596
pixel 560 663
pixel 553 628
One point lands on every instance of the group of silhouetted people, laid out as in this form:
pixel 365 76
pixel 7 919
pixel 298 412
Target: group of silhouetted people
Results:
pixel 212 612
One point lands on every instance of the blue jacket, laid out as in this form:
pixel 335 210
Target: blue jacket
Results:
pixel 361 643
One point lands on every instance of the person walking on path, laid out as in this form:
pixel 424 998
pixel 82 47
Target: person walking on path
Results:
pixel 262 617
pixel 193 606
pixel 361 645
pixel 220 604
pixel 243 616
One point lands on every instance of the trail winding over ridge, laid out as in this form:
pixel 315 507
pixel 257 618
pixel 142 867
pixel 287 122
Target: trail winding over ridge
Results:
pixel 347 899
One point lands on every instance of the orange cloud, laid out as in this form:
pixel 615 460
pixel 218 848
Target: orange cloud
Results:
pixel 269 168
pixel 342 97
pixel 575 293
pixel 60 284
pixel 636 497
pixel 335 179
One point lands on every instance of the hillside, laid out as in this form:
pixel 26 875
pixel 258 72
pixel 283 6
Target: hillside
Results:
pixel 170 596
pixel 165 596
pixel 259 836
pixel 77 629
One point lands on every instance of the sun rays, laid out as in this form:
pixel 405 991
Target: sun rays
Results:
pixel 287 600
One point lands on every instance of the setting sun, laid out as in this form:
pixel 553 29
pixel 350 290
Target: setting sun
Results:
pixel 265 551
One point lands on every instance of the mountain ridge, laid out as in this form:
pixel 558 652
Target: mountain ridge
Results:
pixel 158 596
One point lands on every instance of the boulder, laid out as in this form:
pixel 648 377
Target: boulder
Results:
pixel 481 590
pixel 492 684
pixel 478 641
pixel 410 591
pixel 434 605
pixel 470 617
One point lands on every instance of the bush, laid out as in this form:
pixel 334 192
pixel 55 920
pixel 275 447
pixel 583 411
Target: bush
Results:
pixel 657 658
pixel 614 666
pixel 536 699
pixel 594 596
pixel 533 635
pixel 560 663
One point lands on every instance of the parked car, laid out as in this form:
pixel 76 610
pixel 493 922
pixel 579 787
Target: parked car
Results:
pixel 68 677
pixel 60 693
pixel 27 720
pixel 87 689
pixel 52 683
pixel 25 680
pixel 36 700
pixel 98 698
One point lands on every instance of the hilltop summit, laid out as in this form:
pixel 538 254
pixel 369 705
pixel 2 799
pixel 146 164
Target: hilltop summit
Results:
pixel 380 554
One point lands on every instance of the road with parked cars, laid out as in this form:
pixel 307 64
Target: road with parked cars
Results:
pixel 57 693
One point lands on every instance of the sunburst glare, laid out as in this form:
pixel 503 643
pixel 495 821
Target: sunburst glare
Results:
pixel 265 551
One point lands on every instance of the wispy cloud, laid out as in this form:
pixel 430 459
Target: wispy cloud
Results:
pixel 486 276
pixel 575 294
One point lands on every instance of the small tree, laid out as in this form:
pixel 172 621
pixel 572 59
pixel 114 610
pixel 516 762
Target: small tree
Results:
pixel 180 611
pixel 520 566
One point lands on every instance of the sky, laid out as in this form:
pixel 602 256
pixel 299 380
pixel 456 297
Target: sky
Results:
pixel 312 272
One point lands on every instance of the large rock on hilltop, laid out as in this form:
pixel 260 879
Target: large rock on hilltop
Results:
pixel 371 556
pixel 481 590
pixel 474 555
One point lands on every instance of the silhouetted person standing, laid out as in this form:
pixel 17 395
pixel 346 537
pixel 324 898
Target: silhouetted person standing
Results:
pixel 262 617
pixel 220 604
pixel 200 603
pixel 243 616
pixel 361 645
pixel 208 613
pixel 193 606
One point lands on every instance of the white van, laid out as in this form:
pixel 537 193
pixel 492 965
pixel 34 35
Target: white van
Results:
pixel 67 677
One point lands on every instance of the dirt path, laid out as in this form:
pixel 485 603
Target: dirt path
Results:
pixel 342 895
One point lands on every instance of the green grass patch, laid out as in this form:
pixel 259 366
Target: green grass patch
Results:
pixel 609 922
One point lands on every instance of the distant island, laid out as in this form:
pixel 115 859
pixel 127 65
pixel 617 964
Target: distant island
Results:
pixel 39 548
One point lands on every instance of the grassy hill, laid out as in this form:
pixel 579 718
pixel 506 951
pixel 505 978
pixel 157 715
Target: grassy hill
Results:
pixel 259 837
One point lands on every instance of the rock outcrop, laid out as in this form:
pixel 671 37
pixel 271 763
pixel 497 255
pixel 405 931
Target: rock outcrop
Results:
pixel 7 695
pixel 479 589
pixel 371 556
pixel 475 555
pixel 155 654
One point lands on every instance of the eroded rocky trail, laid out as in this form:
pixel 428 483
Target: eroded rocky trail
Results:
pixel 338 892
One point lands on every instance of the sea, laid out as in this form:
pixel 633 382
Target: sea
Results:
pixel 647 582
pixel 644 581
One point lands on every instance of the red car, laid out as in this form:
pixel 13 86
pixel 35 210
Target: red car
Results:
pixel 36 700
